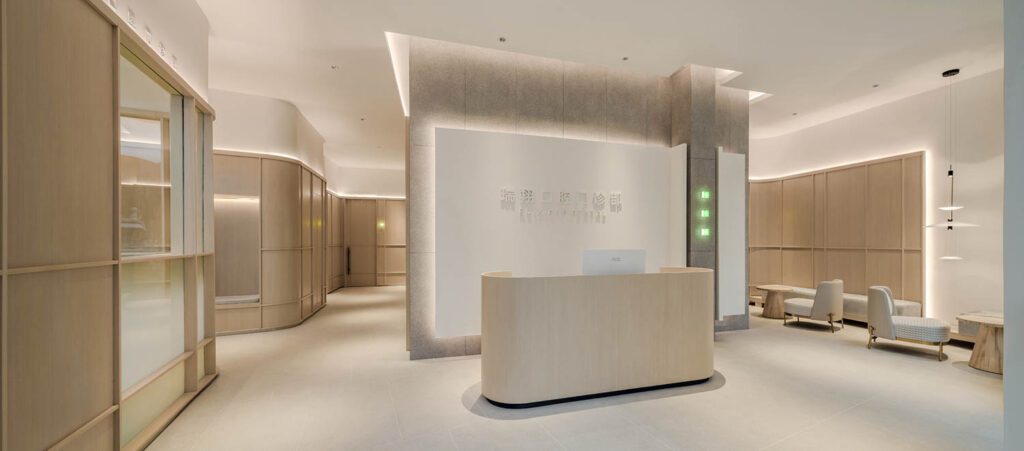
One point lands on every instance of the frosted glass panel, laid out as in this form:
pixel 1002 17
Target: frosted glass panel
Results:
pixel 152 318
pixel 150 164
pixel 732 234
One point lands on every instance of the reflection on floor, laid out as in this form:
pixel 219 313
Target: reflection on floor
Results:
pixel 343 380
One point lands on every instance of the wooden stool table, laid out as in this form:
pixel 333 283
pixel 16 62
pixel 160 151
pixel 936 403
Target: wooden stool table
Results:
pixel 774 300
pixel 988 343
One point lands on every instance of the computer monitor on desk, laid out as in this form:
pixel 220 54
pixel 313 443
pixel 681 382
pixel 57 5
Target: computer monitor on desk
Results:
pixel 614 261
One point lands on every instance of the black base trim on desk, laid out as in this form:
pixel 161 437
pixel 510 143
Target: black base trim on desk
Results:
pixel 528 405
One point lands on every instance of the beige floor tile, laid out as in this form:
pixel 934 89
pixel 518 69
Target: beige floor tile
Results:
pixel 343 380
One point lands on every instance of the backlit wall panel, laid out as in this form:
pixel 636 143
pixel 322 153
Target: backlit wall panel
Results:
pixel 532 204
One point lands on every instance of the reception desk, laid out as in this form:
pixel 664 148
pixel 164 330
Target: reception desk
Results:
pixel 554 339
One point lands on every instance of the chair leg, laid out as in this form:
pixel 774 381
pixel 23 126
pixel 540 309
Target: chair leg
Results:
pixel 842 322
pixel 940 351
pixel 830 326
pixel 785 318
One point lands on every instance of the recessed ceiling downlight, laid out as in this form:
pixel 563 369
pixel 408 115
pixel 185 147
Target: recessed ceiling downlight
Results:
pixel 625 58
pixel 501 39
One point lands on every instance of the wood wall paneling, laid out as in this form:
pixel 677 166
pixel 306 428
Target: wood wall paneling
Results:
pixel 99 436
pixel 765 266
pixel 361 233
pixel 865 225
pixel 798 267
pixel 913 276
pixel 845 209
pixel 237 226
pixel 306 188
pixel 820 211
pixel 281 277
pixel 394 220
pixel 765 214
pixel 59 185
pixel 913 202
pixel 238 319
pixel 847 265
pixel 236 176
pixel 319 243
pixel 884 208
pixel 820 268
pixel 885 268
pixel 281 204
pixel 64 319
pixel 307 272
pixel 281 315
pixel 798 211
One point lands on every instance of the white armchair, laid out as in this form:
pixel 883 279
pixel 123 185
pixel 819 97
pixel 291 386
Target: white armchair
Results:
pixel 913 329
pixel 827 305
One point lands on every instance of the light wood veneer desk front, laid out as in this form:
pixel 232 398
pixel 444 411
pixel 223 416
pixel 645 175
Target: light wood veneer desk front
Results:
pixel 552 339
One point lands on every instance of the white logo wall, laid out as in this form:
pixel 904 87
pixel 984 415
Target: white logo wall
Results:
pixel 532 205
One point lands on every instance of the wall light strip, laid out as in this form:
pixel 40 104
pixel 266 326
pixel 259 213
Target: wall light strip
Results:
pixel 365 196
pixel 145 184
pixel 262 153
pixel 398 47
pixel 241 199
pixel 834 166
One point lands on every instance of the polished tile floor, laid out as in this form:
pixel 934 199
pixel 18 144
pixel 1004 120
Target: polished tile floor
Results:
pixel 343 380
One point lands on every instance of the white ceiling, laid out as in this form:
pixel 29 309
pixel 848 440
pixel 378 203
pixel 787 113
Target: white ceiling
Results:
pixel 818 58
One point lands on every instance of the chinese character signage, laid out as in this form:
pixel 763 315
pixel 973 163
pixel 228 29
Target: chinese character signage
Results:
pixel 565 206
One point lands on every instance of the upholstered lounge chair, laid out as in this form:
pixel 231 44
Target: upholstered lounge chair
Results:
pixel 913 329
pixel 827 305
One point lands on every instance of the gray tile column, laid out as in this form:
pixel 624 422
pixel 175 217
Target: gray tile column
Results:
pixel 706 116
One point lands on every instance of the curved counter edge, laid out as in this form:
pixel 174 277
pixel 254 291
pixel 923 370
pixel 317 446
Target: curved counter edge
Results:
pixel 549 340
pixel 596 395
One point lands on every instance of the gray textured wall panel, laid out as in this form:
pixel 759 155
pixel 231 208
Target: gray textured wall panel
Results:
pixel 627 107
pixel 437 95
pixel 490 90
pixel 585 103
pixel 539 102
pixel 456 86
pixel 420 197
pixel 659 112
pixel 680 106
pixel 702 114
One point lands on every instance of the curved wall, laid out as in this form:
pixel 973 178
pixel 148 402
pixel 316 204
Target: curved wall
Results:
pixel 265 125
pixel 269 214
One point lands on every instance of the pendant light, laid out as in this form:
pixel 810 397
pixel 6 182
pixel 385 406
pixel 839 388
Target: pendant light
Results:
pixel 951 208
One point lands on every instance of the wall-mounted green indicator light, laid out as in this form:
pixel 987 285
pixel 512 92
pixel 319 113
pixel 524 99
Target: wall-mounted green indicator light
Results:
pixel 705 213
pixel 704 231
pixel 705 194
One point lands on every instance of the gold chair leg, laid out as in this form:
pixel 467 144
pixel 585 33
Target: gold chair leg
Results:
pixel 785 318
pixel 842 322
pixel 940 351
pixel 831 327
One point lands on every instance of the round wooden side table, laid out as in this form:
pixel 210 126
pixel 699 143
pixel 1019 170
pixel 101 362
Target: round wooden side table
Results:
pixel 988 343
pixel 774 300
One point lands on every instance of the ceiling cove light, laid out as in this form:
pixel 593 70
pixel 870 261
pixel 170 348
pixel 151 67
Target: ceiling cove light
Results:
pixel 951 140
pixel 398 47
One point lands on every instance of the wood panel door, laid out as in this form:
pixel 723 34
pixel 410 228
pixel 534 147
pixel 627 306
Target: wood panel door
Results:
pixel 361 233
